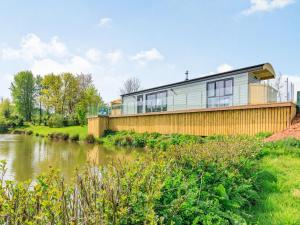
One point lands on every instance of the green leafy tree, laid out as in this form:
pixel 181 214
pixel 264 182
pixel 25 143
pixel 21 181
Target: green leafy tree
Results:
pixel 39 88
pixel 22 91
pixel 69 92
pixel 5 109
pixel 89 98
pixel 51 93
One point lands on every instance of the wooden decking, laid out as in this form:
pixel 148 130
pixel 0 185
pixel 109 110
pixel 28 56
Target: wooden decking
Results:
pixel 249 120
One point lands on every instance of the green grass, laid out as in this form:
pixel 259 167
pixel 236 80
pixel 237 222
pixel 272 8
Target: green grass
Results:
pixel 71 130
pixel 280 177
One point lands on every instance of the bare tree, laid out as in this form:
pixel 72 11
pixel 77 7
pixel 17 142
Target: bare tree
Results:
pixel 279 85
pixel 130 85
pixel 85 81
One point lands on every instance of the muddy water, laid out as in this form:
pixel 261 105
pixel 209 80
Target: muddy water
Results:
pixel 28 156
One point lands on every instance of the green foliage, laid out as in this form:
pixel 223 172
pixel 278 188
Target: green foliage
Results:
pixel 74 137
pixel 56 120
pixel 59 136
pixel 209 183
pixel 8 118
pixel 281 147
pixel 263 135
pixel 278 179
pixel 70 96
pixel 29 132
pixel 90 139
pixel 23 91
pixel 5 109
pixel 89 97
pixel 3 126
pixel 71 120
pixel 36 99
pixel 149 140
pixel 45 130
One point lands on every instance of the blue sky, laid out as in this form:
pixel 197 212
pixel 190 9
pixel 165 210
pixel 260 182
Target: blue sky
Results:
pixel 156 41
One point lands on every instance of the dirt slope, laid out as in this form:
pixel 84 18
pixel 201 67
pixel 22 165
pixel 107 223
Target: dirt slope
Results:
pixel 293 131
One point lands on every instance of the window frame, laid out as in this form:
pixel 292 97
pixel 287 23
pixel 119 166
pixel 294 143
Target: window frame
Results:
pixel 137 104
pixel 162 107
pixel 215 90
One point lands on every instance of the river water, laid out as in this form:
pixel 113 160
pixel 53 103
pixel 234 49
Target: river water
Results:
pixel 29 156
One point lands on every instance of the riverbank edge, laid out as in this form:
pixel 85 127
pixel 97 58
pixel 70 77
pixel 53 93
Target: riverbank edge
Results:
pixel 72 133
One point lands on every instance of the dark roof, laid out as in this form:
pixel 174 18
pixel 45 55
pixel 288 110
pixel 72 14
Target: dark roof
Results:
pixel 228 73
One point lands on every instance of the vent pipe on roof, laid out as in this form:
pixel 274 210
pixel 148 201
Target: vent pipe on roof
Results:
pixel 186 75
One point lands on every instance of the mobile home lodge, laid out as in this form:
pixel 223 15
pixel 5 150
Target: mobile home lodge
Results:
pixel 233 102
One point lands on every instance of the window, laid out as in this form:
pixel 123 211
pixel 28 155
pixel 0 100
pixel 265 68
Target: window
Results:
pixel 211 89
pixel 140 104
pixel 220 93
pixel 156 102
pixel 228 87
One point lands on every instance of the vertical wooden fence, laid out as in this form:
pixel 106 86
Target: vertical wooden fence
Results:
pixel 248 120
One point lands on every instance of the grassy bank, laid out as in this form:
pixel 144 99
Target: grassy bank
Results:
pixel 44 130
pixel 194 180
pixel 280 176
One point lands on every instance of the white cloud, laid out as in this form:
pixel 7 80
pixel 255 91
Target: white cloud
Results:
pixel 114 56
pixel 266 5
pixel 146 56
pixel 93 55
pixel 33 47
pixel 224 68
pixel 75 64
pixel 105 22
pixel 42 57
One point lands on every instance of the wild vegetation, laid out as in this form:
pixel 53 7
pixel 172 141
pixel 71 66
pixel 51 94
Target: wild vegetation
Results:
pixel 209 183
pixel 149 140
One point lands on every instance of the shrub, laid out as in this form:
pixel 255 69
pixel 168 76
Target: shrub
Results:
pixel 139 142
pixel 56 120
pixel 3 126
pixel 90 139
pixel 65 136
pixel 74 137
pixel 16 131
pixel 51 135
pixel 29 132
pixel 284 146
pixel 108 132
pixel 149 140
pixel 59 136
pixel 71 121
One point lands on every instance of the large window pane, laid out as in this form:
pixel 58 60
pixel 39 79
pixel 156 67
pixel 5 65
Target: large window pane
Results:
pixel 156 102
pixel 220 88
pixel 228 87
pixel 140 104
pixel 211 89
pixel 220 93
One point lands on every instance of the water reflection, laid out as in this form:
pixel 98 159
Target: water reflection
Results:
pixel 29 156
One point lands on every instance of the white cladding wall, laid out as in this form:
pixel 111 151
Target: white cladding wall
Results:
pixel 193 96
